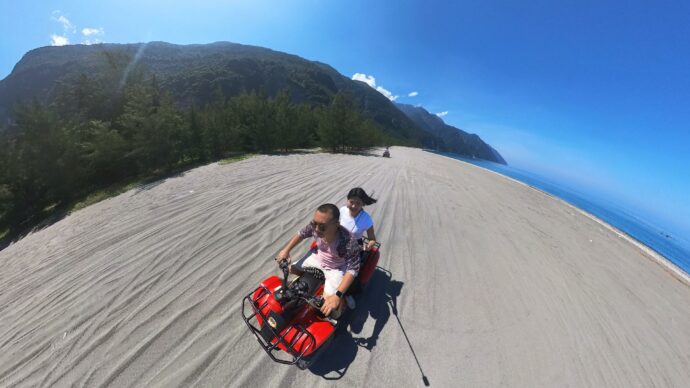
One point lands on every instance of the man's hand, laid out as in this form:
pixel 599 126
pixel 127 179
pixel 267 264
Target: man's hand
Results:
pixel 283 255
pixel 330 303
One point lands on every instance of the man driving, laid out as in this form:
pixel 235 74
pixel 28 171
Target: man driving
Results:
pixel 337 256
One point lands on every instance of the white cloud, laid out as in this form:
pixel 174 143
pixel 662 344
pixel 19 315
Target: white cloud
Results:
pixel 371 81
pixel 58 40
pixel 412 94
pixel 386 93
pixel 441 114
pixel 368 79
pixel 92 35
pixel 92 31
pixel 67 26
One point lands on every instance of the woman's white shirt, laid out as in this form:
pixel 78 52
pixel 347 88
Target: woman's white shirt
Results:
pixel 356 225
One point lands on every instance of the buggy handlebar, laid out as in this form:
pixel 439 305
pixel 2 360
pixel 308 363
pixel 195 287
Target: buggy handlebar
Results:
pixel 285 267
pixel 291 292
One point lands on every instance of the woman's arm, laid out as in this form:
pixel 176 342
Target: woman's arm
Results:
pixel 372 238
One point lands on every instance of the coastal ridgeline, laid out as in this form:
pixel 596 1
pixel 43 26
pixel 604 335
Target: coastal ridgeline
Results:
pixel 449 138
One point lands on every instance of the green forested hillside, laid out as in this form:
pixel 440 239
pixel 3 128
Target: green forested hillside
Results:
pixel 99 129
pixel 78 119
pixel 195 75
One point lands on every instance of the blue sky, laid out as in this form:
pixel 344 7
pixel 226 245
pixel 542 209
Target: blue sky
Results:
pixel 592 93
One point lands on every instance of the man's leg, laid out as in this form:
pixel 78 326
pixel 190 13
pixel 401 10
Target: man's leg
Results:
pixel 308 260
pixel 332 278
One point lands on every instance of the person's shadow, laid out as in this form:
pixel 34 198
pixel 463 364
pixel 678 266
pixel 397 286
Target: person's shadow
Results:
pixel 378 300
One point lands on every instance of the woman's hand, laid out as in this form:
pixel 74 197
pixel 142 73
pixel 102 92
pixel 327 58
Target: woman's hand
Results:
pixel 330 303
pixel 370 245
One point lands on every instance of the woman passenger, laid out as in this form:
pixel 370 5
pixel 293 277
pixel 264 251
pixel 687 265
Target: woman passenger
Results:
pixel 355 219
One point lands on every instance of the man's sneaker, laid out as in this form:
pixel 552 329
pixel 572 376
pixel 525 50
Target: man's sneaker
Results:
pixel 350 302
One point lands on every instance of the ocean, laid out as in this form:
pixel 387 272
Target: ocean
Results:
pixel 665 242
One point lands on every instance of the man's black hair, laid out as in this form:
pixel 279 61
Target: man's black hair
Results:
pixel 330 208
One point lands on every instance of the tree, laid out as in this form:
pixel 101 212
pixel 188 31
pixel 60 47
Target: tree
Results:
pixel 193 144
pixel 152 126
pixel 43 165
pixel 305 125
pixel 338 123
pixel 104 152
pixel 6 149
pixel 284 122
pixel 255 119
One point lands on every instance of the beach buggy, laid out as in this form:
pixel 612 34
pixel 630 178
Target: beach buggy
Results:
pixel 285 317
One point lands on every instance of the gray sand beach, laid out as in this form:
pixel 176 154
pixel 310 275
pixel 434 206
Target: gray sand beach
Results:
pixel 485 282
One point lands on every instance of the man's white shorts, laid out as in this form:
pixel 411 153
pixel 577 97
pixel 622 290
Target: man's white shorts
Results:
pixel 333 277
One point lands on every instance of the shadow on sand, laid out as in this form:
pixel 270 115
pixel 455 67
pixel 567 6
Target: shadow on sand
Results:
pixel 379 300
pixel 366 152
pixel 150 183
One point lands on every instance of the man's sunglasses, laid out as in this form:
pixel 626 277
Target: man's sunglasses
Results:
pixel 321 227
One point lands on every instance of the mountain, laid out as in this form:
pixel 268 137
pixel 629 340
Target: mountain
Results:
pixel 194 74
pixel 451 139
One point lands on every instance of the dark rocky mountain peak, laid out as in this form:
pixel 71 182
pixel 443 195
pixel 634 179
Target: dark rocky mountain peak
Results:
pixel 449 138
